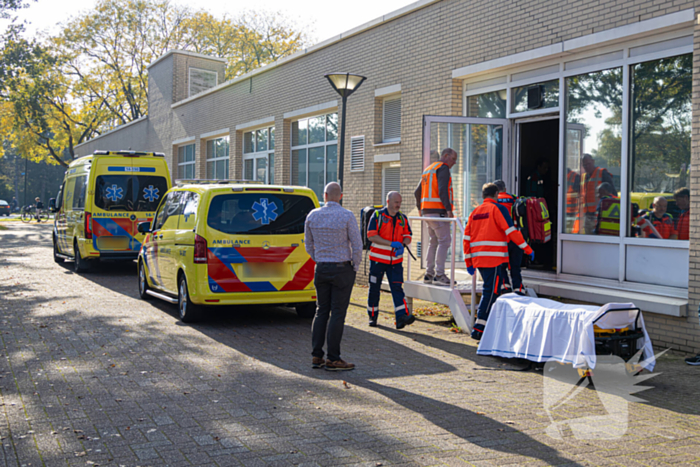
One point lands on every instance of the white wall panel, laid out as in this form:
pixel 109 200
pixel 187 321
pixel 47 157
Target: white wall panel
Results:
pixel 590 259
pixel 659 266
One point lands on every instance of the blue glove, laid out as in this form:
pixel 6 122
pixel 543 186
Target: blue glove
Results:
pixel 471 270
pixel 532 256
pixel 396 245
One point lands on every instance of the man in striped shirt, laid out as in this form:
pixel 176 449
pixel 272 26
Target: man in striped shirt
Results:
pixel 333 241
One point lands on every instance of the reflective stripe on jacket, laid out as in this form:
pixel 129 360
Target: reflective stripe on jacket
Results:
pixel 394 229
pixel 486 236
pixel 430 192
pixel 609 216
pixel 507 200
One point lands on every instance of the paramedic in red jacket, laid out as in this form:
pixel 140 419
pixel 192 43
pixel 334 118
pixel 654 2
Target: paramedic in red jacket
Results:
pixel 389 232
pixel 486 237
pixel 515 253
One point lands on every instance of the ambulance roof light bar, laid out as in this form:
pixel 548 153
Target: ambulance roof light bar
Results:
pixel 128 153
pixel 202 181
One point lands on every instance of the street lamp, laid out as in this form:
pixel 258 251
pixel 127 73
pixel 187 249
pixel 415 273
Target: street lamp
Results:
pixel 344 84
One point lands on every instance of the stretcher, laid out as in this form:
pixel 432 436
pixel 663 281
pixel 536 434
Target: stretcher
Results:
pixel 542 330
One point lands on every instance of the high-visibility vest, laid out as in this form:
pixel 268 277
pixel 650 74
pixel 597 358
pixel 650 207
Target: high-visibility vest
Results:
pixel 609 219
pixel 571 193
pixel 589 190
pixel 507 200
pixel 486 236
pixel 430 194
pixel 382 224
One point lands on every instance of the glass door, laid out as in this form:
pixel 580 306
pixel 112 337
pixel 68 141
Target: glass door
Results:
pixel 479 144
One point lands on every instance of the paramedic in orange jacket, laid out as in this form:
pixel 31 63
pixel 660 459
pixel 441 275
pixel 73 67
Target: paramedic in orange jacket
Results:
pixel 515 253
pixel 591 178
pixel 486 237
pixel 389 232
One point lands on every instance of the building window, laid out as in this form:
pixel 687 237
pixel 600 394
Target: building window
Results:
pixel 536 96
pixel 391 119
pixel 217 158
pixel 391 178
pixel 593 150
pixel 315 152
pixel 660 130
pixel 489 105
pixel 259 155
pixel 185 162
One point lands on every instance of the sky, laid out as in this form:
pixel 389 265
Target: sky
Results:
pixel 326 19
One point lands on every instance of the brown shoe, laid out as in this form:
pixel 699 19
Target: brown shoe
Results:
pixel 339 365
pixel 318 362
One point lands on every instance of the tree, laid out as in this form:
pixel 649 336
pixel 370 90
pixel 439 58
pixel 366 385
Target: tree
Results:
pixel 93 75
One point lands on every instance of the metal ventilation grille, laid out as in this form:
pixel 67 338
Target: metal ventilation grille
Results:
pixel 392 119
pixel 391 180
pixel 357 154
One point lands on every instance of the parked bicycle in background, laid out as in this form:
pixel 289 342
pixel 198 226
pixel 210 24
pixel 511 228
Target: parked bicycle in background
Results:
pixel 32 212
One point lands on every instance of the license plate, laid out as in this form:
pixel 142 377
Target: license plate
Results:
pixel 266 271
pixel 113 243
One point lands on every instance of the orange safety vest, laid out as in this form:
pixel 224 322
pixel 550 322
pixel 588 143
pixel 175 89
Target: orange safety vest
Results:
pixel 571 193
pixel 486 236
pixel 430 194
pixel 382 224
pixel 589 190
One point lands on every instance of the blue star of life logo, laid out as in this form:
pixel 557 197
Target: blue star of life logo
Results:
pixel 114 193
pixel 264 211
pixel 150 193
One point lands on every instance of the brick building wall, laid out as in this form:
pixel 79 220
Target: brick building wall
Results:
pixel 417 50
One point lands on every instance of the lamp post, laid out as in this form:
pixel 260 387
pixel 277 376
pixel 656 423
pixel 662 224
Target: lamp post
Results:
pixel 344 84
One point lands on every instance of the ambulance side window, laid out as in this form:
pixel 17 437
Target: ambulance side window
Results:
pixel 68 195
pixel 169 208
pixel 59 197
pixel 189 204
pixel 79 193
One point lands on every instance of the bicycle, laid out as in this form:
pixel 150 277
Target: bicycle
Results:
pixel 30 212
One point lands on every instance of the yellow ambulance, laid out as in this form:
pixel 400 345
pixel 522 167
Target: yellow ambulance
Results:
pixel 103 199
pixel 229 243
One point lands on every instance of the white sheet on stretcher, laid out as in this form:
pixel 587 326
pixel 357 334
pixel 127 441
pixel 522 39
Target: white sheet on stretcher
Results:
pixel 543 330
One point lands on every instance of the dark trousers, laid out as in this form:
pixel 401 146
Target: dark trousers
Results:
pixel 394 274
pixel 494 281
pixel 333 282
pixel 515 259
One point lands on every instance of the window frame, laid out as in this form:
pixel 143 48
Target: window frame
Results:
pixel 385 99
pixel 308 147
pixel 268 154
pixel 226 158
pixel 182 165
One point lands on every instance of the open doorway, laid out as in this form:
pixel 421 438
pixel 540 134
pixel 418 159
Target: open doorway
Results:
pixel 538 148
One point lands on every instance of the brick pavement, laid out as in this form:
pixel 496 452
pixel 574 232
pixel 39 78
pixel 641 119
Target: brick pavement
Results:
pixel 91 375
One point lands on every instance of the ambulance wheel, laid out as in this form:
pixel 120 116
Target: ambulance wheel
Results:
pixel 80 264
pixel 188 311
pixel 306 310
pixel 143 282
pixel 56 258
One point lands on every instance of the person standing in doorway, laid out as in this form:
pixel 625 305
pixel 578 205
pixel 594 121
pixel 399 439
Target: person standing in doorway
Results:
pixel 515 253
pixel 536 183
pixel 434 198
pixel 390 233
pixel 333 241
pixel 486 237
pixel 592 177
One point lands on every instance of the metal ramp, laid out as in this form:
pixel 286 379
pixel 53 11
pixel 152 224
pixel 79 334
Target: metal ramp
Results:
pixel 451 296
